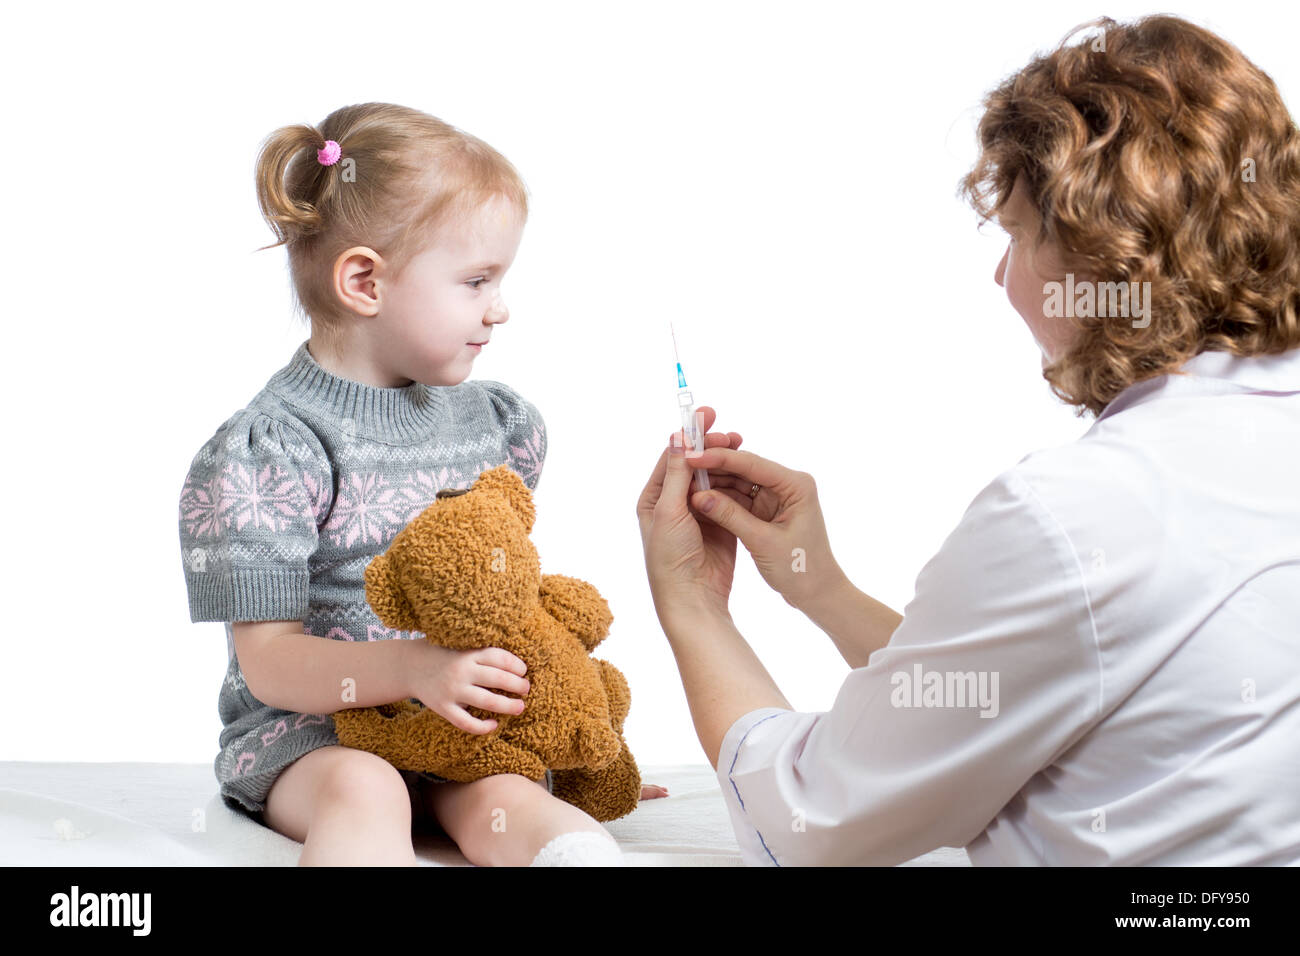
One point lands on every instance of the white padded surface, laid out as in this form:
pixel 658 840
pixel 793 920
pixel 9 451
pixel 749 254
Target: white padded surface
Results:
pixel 159 814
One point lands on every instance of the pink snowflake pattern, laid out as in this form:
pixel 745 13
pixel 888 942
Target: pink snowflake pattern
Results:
pixel 201 506
pixel 367 509
pixel 318 493
pixel 527 460
pixel 270 498
pixel 422 487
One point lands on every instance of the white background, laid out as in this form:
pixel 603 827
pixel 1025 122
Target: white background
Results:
pixel 777 179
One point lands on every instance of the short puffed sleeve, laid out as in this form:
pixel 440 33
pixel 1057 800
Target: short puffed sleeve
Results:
pixel 524 428
pixel 250 508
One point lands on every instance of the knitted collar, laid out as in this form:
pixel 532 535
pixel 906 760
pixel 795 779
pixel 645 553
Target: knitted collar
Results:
pixel 407 413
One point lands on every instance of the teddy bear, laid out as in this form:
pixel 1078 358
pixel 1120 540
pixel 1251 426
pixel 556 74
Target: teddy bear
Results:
pixel 465 574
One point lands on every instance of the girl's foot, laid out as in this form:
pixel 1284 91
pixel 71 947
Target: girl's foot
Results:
pixel 580 848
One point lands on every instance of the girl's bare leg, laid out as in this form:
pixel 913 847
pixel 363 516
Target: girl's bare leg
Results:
pixel 505 819
pixel 349 808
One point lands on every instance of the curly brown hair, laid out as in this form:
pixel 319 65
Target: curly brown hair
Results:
pixel 1154 152
pixel 402 174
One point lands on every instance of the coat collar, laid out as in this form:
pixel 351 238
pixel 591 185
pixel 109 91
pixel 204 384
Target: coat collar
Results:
pixel 1216 373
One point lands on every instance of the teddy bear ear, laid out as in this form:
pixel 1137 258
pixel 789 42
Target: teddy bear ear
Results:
pixel 504 481
pixel 386 597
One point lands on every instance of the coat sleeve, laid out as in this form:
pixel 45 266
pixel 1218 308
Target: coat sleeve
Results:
pixel 991 675
pixel 524 428
pixel 250 509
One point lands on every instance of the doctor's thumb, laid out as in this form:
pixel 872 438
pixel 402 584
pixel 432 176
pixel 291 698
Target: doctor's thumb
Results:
pixel 721 510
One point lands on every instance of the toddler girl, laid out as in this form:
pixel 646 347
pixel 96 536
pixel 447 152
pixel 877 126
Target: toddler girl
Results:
pixel 399 229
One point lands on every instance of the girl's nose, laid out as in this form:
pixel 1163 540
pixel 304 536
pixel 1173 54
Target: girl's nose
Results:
pixel 497 311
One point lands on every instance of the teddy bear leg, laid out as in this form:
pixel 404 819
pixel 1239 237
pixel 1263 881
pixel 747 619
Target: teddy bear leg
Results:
pixel 612 791
pixel 597 743
pixel 605 794
pixel 379 730
pixel 600 739
pixel 412 738
pixel 499 756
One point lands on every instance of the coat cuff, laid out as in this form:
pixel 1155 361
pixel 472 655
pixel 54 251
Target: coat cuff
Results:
pixel 753 850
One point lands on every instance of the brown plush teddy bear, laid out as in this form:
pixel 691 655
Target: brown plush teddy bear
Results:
pixel 465 573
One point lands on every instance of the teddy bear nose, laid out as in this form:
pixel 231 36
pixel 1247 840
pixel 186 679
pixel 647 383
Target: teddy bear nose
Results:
pixel 451 492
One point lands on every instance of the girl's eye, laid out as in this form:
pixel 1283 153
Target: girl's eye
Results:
pixel 475 283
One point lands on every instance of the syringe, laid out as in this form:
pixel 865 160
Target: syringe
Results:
pixel 692 421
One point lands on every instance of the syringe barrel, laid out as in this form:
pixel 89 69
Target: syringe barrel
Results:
pixel 693 429
pixel 693 425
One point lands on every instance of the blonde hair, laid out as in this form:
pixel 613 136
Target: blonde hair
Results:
pixel 1132 150
pixel 402 175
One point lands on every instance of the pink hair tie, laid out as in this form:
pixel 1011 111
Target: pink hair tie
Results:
pixel 330 154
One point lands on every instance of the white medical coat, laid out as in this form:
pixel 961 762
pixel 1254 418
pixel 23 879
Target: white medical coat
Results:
pixel 1137 595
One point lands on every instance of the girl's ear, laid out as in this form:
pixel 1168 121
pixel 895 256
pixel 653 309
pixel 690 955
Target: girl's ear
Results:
pixel 385 595
pixel 506 483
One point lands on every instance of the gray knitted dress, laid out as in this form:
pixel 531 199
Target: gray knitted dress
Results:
pixel 286 504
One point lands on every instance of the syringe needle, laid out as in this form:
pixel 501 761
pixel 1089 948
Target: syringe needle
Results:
pixel 692 421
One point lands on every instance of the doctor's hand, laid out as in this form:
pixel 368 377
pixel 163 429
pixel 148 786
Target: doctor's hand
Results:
pixel 689 563
pixel 781 526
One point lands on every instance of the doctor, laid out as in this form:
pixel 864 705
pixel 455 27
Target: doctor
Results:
pixel 1101 665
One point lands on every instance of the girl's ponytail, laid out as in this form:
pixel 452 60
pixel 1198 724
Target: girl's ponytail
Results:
pixel 291 207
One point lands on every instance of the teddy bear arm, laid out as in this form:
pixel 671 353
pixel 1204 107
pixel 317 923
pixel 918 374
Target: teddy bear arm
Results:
pixel 578 606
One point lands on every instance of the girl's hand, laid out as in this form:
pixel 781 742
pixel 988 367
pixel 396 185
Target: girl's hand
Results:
pixel 688 565
pixel 447 681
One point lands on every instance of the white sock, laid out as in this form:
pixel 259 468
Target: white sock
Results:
pixel 580 848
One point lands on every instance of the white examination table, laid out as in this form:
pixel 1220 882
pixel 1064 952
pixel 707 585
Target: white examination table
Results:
pixel 169 814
